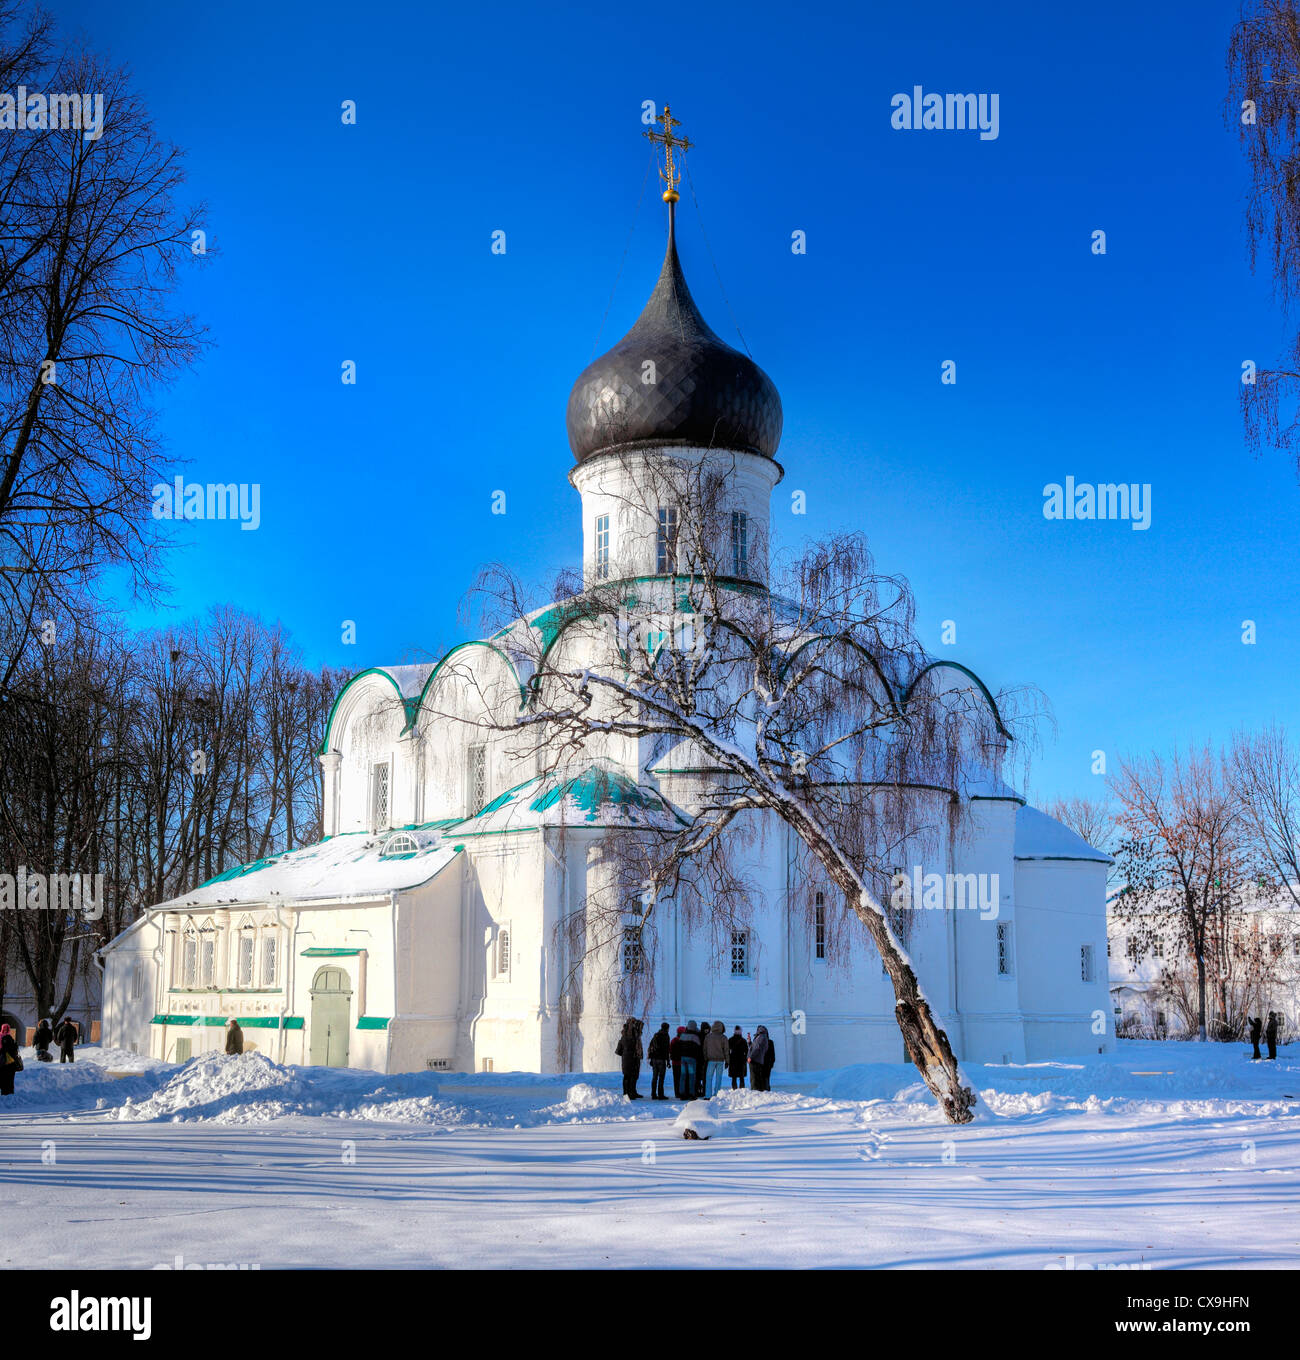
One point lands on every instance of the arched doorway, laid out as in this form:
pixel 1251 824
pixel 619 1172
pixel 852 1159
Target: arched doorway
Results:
pixel 331 1017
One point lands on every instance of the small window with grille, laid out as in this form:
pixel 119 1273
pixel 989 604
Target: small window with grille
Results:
pixel 633 952
pixel 1006 959
pixel 475 778
pixel 666 546
pixel 739 543
pixel 501 963
pixel 379 796
pixel 740 953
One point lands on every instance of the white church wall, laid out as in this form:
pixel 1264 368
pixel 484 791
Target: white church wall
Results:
pixel 616 486
pixel 132 981
pixel 1060 908
pixel 989 952
pixel 424 1033
pixel 502 986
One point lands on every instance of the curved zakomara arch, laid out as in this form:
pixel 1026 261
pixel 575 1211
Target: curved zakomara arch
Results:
pixel 411 707
pixel 347 689
pixel 417 705
pixel 889 690
pixel 965 670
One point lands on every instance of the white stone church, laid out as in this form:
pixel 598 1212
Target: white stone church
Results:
pixel 421 931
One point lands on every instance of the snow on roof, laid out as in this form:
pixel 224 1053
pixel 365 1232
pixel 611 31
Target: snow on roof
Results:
pixel 1039 836
pixel 359 864
pixel 598 795
pixel 408 679
pixel 986 784
pixel 352 864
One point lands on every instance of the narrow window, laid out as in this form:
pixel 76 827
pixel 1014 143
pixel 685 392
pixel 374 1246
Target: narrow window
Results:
pixel 208 959
pixel 379 797
pixel 819 927
pixel 189 967
pixel 1133 949
pixel 633 953
pixel 740 953
pixel 503 953
pixel 666 551
pixel 245 958
pixel 602 547
pixel 475 778
pixel 137 981
pixel 1085 964
pixel 268 960
pixel 1005 960
pixel 739 543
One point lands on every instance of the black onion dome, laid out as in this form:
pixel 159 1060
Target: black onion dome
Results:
pixel 705 393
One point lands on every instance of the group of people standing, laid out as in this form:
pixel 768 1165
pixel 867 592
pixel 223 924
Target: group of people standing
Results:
pixel 700 1056
pixel 66 1036
pixel 1270 1036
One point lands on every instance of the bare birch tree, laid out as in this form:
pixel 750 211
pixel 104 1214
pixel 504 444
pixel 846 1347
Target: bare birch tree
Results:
pixel 1264 106
pixel 811 702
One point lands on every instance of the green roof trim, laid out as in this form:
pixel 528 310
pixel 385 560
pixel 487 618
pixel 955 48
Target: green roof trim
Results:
pixel 256 1021
pixel 174 1020
pixel 338 699
pixel 315 953
pixel 373 1021
pixel 241 869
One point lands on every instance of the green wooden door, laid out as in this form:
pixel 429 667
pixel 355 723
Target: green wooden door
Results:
pixel 331 1017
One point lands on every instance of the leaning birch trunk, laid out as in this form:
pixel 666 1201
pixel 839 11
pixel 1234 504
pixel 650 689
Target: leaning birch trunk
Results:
pixel 924 1039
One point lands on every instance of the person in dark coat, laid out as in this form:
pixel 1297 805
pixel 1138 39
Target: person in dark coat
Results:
pixel 657 1052
pixel 234 1036
pixel 66 1036
pixel 762 1057
pixel 737 1057
pixel 630 1051
pixel 692 1058
pixel 701 1070
pixel 43 1038
pixel 675 1057
pixel 10 1063
pixel 1255 1029
pixel 1270 1035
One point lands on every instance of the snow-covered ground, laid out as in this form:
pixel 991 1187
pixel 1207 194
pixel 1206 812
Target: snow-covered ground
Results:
pixel 1162 1155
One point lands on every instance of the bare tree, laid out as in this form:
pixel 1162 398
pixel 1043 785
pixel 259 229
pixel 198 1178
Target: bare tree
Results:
pixel 812 703
pixel 1181 854
pixel 1264 106
pixel 90 243
pixel 1265 773
pixel 156 761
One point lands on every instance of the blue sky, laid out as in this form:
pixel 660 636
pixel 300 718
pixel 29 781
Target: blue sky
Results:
pixel 372 243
